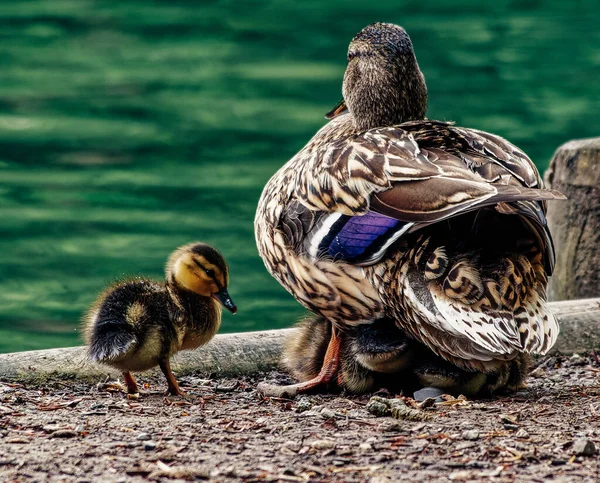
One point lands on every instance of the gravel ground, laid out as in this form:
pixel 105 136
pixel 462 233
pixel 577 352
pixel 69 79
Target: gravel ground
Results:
pixel 224 431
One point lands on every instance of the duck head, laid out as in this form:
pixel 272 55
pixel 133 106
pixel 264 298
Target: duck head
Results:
pixel 383 84
pixel 201 269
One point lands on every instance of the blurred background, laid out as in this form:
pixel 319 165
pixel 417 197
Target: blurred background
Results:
pixel 130 127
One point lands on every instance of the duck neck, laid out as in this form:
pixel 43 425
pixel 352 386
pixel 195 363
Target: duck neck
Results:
pixel 388 98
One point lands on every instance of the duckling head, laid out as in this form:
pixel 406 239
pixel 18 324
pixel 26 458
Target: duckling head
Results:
pixel 383 84
pixel 201 269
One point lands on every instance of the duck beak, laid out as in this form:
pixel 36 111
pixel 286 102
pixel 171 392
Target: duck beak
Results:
pixel 339 109
pixel 223 297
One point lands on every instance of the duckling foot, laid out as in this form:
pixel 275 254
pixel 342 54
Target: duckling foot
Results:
pixel 173 385
pixel 329 369
pixel 132 387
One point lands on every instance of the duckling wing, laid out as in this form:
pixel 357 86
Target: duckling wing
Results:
pixel 110 341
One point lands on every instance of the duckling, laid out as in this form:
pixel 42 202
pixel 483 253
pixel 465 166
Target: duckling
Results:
pixel 380 355
pixel 138 324
pixel 373 357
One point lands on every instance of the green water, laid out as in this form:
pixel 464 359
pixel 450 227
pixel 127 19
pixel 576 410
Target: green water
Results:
pixel 130 127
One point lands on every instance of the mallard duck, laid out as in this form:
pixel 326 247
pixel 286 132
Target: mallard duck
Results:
pixel 138 324
pixel 380 356
pixel 387 214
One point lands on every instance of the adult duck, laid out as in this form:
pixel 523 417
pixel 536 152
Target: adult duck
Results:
pixel 387 214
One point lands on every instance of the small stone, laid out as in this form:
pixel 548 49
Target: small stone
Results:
pixel 365 447
pixel 584 447
pixel 521 433
pixel 577 360
pixel 292 445
pixel 392 427
pixel 509 419
pixel 538 372
pixel 304 404
pixel 470 434
pixel 322 444
pixel 428 392
pixel 149 445
pixel 272 390
pixel 327 413
pixel 143 437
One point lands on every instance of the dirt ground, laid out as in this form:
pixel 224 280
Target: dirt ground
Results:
pixel 223 430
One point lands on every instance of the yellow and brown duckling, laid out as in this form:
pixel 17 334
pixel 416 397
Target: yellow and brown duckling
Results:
pixel 139 324
pixel 386 214
pixel 380 356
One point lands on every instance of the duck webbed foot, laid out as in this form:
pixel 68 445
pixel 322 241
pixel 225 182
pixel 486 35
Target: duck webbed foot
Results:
pixel 327 373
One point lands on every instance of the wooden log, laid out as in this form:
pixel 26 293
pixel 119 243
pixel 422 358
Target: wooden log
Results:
pixel 252 352
pixel 579 325
pixel 225 355
pixel 575 223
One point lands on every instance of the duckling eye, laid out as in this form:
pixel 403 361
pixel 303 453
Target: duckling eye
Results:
pixel 351 56
pixel 209 272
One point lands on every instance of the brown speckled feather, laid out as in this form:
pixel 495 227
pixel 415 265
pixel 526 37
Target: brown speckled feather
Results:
pixel 465 268
pixel 461 314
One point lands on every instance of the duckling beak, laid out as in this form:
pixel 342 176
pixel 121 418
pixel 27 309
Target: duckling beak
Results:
pixel 340 108
pixel 223 297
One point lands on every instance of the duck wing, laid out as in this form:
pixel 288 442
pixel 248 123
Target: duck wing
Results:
pixel 419 173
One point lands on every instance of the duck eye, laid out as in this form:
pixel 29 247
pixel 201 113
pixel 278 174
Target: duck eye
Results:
pixel 351 56
pixel 210 273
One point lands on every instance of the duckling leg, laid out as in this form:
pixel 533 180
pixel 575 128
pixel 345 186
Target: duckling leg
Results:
pixel 132 387
pixel 329 369
pixel 165 367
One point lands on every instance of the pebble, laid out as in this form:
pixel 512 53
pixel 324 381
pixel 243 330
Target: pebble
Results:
pixel 322 444
pixel 584 447
pixel 149 445
pixel 292 445
pixel 521 433
pixel 304 404
pixel 143 437
pixel 428 392
pixel 577 360
pixel 538 372
pixel 392 427
pixel 470 434
pixel 365 447
pixel 327 413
